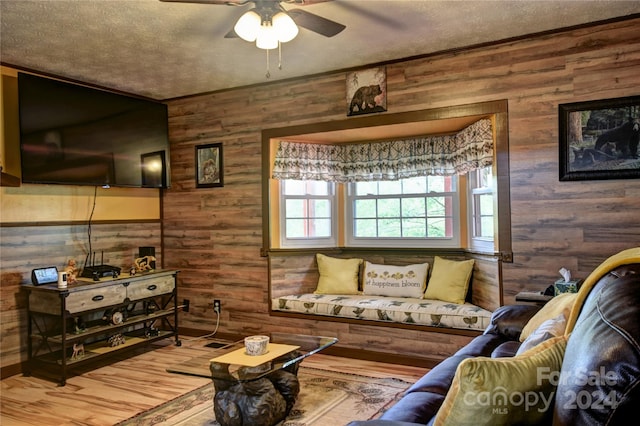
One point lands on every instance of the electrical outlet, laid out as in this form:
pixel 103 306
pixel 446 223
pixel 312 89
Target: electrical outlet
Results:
pixel 185 305
pixel 216 305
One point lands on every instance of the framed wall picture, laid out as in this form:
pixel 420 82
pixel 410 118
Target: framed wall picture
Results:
pixel 367 91
pixel 599 139
pixel 209 165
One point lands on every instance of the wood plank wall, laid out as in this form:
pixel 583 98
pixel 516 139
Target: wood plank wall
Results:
pixel 214 235
pixel 27 247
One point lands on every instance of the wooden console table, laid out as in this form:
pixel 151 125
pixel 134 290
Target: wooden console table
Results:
pixel 92 319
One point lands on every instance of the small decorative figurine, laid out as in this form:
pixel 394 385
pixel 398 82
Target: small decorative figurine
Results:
pixel 78 351
pixel 116 339
pixel 144 263
pixel 72 271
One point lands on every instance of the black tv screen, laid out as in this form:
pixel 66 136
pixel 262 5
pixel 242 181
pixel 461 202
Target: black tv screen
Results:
pixel 76 135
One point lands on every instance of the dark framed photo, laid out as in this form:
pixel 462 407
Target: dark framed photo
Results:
pixel 599 139
pixel 209 166
pixel 154 166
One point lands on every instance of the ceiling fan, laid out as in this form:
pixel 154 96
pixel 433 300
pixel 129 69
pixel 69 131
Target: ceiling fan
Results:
pixel 266 10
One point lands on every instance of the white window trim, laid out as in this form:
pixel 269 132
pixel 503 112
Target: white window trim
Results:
pixel 308 242
pixel 454 242
pixel 482 244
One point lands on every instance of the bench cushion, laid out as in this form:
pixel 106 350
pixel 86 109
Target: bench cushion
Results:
pixel 435 313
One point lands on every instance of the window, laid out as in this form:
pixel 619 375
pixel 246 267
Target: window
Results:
pixel 480 208
pixel 420 211
pixel 307 214
pixel 482 211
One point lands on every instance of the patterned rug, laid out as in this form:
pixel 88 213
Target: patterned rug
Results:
pixel 326 398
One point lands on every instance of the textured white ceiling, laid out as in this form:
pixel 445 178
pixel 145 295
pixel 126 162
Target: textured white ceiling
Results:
pixel 165 50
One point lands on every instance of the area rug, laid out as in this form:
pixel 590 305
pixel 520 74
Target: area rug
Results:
pixel 326 398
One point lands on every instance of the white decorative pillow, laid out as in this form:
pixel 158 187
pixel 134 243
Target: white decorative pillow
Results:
pixel 553 327
pixel 395 281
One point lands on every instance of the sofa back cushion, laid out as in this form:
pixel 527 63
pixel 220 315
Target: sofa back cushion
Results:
pixel 600 379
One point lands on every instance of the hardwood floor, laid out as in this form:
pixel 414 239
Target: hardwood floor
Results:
pixel 110 393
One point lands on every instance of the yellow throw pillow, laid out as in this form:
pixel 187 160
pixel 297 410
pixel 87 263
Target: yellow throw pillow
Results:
pixel 337 276
pixel 449 280
pixel 504 391
pixel 559 305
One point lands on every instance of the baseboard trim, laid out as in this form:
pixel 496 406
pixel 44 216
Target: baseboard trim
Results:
pixel 11 370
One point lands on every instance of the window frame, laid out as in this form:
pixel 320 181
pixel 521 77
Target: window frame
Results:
pixel 320 242
pixel 477 242
pixel 432 242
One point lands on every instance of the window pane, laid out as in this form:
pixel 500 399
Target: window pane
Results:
pixel 436 184
pixel 413 207
pixel 404 209
pixel 296 228
pixel 416 185
pixel 486 204
pixel 414 228
pixel 389 207
pixel 315 187
pixel 390 187
pixel 485 177
pixel 365 208
pixel 436 206
pixel 320 228
pixel 437 228
pixel 294 187
pixel 295 208
pixel 389 228
pixel 486 228
pixel 320 208
pixel 366 188
pixel 365 228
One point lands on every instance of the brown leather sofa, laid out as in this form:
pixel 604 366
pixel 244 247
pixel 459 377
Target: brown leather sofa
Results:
pixel 605 341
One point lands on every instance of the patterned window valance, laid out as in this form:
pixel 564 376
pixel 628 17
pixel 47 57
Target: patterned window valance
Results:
pixel 465 151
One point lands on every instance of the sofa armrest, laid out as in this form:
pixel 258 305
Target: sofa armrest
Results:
pixel 509 320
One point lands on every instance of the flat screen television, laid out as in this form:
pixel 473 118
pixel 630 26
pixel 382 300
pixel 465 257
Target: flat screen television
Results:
pixel 76 135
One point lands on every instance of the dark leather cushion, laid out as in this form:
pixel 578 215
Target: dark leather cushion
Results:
pixel 417 407
pixel 507 349
pixel 438 379
pixel 482 345
pixel 600 382
pixel 509 320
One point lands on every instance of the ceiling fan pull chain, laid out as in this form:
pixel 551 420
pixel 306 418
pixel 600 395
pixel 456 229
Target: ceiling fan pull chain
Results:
pixel 268 75
pixel 279 55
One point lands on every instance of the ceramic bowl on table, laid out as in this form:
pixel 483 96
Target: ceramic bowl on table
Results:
pixel 256 345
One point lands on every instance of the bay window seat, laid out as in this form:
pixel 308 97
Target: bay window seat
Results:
pixel 295 289
pixel 403 310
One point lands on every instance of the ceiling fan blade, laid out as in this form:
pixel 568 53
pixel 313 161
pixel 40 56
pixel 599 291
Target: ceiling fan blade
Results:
pixel 315 23
pixel 231 34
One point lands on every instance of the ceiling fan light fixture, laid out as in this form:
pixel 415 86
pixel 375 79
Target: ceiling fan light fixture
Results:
pixel 267 37
pixel 248 26
pixel 284 26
